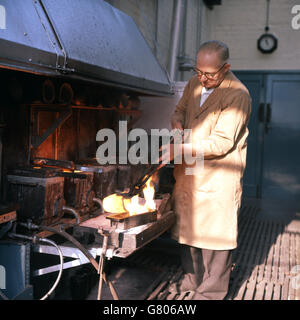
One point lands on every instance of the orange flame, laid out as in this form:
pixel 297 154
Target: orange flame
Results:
pixel 118 204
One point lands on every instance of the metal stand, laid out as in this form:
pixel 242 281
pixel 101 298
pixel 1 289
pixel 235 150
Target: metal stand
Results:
pixel 105 235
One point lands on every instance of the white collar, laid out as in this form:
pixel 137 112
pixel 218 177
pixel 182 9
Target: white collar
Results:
pixel 208 91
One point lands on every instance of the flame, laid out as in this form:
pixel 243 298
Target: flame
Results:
pixel 149 192
pixel 115 203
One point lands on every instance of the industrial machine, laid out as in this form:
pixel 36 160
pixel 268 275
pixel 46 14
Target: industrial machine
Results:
pixel 62 80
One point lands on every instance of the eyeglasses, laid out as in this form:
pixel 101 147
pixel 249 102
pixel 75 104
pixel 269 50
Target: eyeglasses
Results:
pixel 208 75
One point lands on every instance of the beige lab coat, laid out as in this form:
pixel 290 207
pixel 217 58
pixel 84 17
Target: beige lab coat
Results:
pixel 207 202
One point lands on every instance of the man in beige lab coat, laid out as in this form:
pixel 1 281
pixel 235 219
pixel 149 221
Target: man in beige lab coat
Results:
pixel 216 106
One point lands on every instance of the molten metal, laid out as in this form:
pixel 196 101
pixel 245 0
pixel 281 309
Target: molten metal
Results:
pixel 115 203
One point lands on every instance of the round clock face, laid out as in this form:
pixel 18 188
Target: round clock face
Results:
pixel 267 43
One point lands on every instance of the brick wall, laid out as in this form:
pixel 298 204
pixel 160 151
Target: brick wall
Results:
pixel 237 23
pixel 240 24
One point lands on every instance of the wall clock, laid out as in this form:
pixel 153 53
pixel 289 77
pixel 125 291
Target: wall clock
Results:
pixel 267 43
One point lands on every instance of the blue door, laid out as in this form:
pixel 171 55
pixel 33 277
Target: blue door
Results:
pixel 281 156
pixel 273 157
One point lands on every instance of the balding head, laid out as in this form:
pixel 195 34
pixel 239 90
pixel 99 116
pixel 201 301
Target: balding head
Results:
pixel 212 65
pixel 217 48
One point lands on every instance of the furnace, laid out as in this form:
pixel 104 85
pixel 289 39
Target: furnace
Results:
pixel 39 193
pixel 105 176
pixel 59 88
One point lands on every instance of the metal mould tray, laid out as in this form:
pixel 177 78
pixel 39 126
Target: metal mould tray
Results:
pixel 126 221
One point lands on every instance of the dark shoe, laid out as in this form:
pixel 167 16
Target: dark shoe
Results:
pixel 186 284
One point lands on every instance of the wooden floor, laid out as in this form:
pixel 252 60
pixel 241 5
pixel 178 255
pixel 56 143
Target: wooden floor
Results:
pixel 266 264
pixel 267 254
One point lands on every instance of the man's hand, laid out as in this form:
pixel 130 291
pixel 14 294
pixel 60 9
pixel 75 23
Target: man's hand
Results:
pixel 176 125
pixel 178 152
pixel 171 152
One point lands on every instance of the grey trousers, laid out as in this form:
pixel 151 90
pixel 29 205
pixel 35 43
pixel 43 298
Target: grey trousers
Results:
pixel 208 271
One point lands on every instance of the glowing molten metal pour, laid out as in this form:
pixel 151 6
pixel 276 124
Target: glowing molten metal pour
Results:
pixel 115 203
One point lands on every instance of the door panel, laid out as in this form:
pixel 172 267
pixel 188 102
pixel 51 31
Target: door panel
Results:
pixel 281 165
pixel 252 175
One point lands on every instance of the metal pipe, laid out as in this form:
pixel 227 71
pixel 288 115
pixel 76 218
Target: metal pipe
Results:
pixel 34 239
pixel 85 252
pixel 156 28
pixel 60 269
pixel 67 236
pixel 267 16
pixel 101 263
pixel 199 24
pixel 99 202
pixel 183 36
pixel 72 211
pixel 182 40
pixel 175 37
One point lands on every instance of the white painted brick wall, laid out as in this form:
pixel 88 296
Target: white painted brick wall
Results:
pixel 239 23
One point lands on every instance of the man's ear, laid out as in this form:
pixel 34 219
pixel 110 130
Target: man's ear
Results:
pixel 227 67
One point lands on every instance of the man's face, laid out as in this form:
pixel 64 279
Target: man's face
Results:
pixel 210 64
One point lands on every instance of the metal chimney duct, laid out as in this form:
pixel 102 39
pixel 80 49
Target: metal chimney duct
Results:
pixel 175 38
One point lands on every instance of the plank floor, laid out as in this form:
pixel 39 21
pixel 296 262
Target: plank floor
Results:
pixel 266 264
pixel 266 256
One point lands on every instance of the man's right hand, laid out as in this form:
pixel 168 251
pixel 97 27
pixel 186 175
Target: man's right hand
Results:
pixel 176 125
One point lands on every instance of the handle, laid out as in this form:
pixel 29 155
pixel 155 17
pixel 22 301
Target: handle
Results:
pixel 268 117
pixel 269 113
pixel 261 112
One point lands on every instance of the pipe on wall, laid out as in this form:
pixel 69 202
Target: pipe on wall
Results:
pixel 176 23
pixel 183 36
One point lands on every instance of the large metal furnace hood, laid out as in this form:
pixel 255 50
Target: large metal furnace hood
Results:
pixel 80 39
